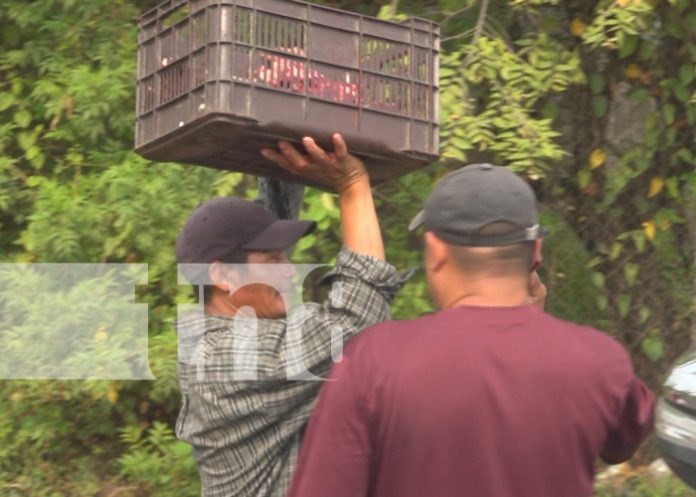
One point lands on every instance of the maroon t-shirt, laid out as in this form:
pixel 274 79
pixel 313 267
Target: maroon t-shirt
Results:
pixel 473 401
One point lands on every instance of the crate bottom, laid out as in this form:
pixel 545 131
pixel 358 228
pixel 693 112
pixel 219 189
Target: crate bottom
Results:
pixel 234 144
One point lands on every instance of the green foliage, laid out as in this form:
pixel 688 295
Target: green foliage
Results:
pixel 618 24
pixel 158 462
pixel 491 94
pixel 52 431
pixel 638 483
pixel 96 337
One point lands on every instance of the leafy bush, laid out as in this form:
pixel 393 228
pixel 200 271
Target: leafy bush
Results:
pixel 158 463
pixel 638 483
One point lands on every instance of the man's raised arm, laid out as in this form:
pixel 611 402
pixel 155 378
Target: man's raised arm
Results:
pixel 346 175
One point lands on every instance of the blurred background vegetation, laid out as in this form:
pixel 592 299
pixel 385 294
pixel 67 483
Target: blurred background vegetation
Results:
pixel 594 102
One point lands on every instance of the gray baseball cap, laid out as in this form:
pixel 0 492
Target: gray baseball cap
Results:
pixel 476 196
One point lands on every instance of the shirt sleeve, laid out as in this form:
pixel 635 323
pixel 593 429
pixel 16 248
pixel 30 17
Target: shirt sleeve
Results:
pixel 362 290
pixel 294 360
pixel 634 424
pixel 336 450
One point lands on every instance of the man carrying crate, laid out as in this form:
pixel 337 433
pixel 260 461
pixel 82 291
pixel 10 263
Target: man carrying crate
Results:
pixel 246 433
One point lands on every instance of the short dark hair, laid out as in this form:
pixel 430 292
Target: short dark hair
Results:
pixel 235 257
pixel 506 259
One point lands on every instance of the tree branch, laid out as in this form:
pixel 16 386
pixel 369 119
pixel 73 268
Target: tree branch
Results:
pixel 460 35
pixel 450 15
pixel 476 30
pixel 483 13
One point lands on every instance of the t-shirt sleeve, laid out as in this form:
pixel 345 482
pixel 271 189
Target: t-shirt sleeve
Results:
pixel 336 449
pixel 634 424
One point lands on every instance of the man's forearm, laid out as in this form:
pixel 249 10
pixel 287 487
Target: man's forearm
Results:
pixel 361 232
pixel 343 173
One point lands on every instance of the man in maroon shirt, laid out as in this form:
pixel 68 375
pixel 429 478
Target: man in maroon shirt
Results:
pixel 489 397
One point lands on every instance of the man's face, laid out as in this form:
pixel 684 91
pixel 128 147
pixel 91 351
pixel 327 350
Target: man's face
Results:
pixel 266 281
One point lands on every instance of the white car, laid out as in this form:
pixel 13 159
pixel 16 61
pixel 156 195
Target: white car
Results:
pixel 676 419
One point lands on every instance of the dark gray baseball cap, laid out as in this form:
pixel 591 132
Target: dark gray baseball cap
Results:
pixel 227 224
pixel 468 200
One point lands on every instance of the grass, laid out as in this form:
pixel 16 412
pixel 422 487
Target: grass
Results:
pixel 639 482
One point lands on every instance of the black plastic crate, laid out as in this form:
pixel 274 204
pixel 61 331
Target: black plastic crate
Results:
pixel 220 79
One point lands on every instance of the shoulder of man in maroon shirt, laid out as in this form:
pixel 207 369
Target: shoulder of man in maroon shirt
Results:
pixel 495 401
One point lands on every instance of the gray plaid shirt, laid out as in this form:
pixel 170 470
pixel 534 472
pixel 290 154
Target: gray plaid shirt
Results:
pixel 246 433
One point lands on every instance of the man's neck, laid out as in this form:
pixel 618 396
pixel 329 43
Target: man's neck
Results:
pixel 220 307
pixel 498 294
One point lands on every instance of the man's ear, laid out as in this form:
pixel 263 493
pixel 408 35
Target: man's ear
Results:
pixel 221 277
pixel 436 252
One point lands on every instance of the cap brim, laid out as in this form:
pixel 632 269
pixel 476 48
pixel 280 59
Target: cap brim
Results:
pixel 417 221
pixel 280 235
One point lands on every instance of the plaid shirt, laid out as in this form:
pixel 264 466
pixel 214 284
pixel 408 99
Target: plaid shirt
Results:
pixel 245 432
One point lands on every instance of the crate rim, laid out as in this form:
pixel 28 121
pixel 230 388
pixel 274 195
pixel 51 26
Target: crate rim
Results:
pixel 434 26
